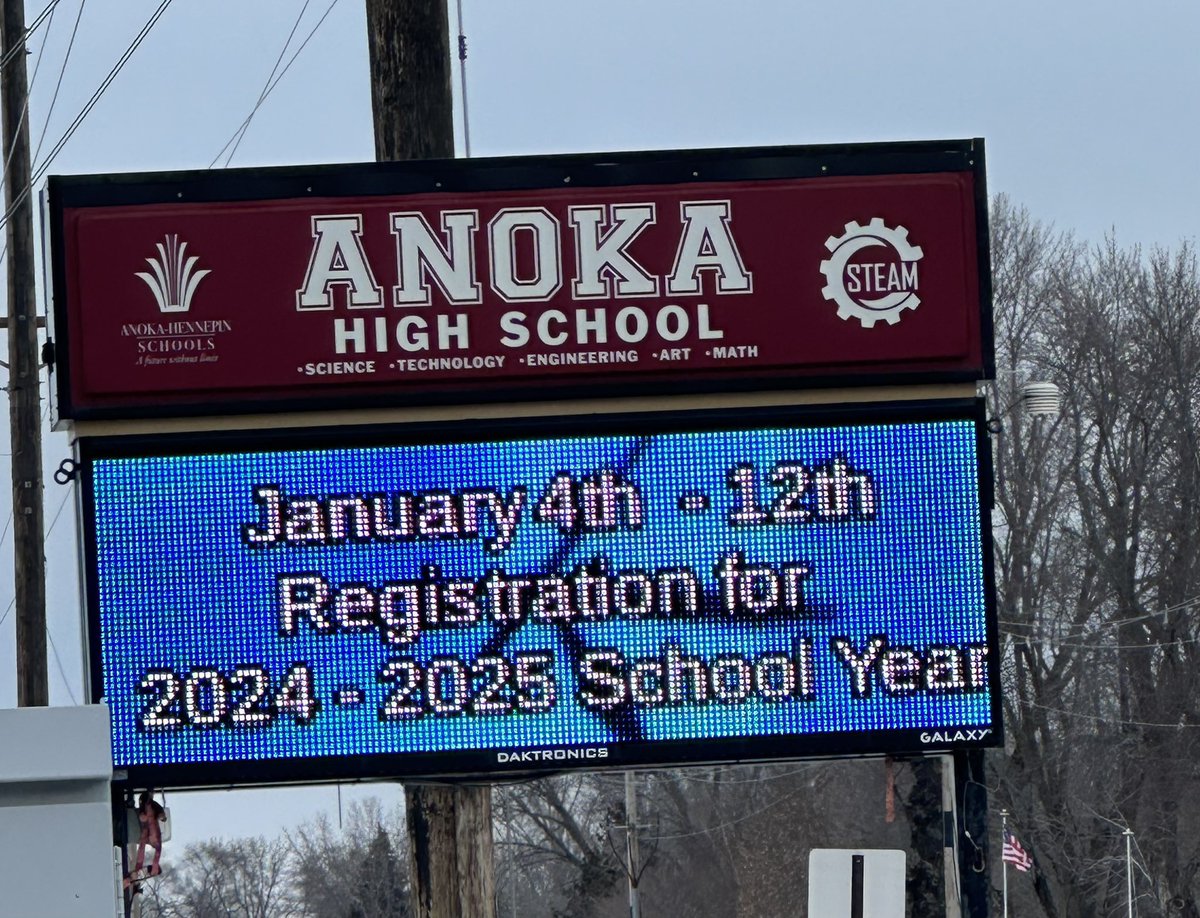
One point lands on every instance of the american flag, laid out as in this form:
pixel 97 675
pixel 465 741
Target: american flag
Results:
pixel 1014 853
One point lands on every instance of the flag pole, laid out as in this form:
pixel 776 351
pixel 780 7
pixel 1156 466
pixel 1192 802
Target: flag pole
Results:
pixel 1003 862
pixel 1129 868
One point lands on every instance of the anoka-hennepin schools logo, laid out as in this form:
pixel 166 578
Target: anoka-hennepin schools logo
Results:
pixel 871 290
pixel 175 277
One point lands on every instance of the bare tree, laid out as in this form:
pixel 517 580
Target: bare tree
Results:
pixel 1097 575
pixel 1097 539
pixel 553 846
pixel 356 871
pixel 717 842
pixel 242 878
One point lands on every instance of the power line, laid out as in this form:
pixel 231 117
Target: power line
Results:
pixel 87 108
pixel 1096 718
pixel 28 90
pixel 58 84
pixel 720 782
pixel 37 66
pixel 271 88
pixel 1141 617
pixel 29 30
pixel 1180 606
pixel 61 671
pixel 112 75
pixel 53 100
pixel 57 514
pixel 240 134
pixel 1081 645
pixel 708 830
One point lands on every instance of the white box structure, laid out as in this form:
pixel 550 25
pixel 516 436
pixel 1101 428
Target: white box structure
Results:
pixel 56 824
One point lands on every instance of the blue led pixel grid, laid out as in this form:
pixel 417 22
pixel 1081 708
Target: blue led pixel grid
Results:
pixel 800 588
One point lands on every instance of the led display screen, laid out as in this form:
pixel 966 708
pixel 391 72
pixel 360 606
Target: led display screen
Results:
pixel 583 593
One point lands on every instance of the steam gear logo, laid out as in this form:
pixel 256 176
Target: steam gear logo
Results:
pixel 871 291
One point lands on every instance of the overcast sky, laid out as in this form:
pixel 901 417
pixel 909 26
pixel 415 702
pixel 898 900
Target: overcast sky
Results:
pixel 1088 109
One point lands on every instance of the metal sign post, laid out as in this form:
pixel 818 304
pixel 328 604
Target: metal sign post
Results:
pixel 856 883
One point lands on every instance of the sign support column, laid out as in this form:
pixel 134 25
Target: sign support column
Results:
pixel 450 827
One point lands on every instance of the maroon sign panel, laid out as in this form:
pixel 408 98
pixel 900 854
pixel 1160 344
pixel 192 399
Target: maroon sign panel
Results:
pixel 457 281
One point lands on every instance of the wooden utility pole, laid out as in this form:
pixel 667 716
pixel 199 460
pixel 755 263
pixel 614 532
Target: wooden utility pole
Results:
pixel 410 79
pixel 24 368
pixel 449 827
pixel 451 864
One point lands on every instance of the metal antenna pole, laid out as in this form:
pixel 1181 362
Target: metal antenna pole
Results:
pixel 632 855
pixel 1129 868
pixel 462 75
pixel 1003 862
